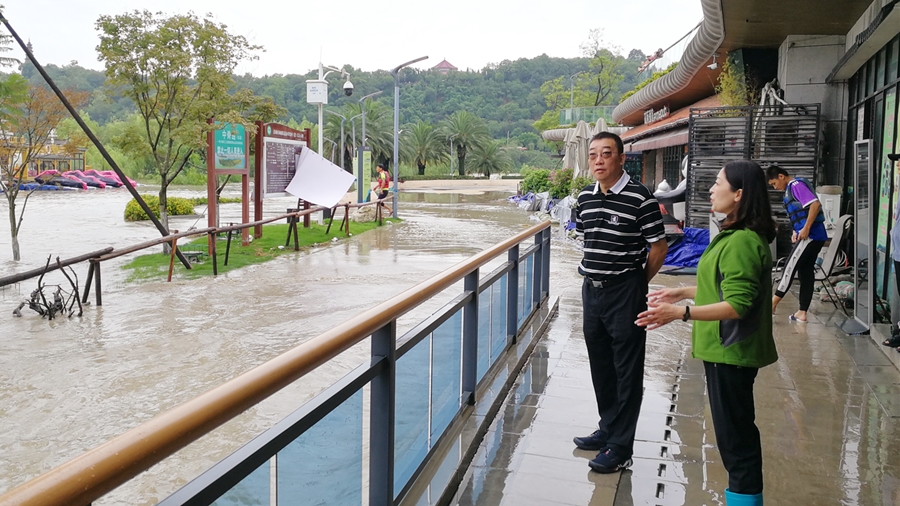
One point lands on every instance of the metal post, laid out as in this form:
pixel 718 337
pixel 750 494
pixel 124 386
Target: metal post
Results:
pixel 512 296
pixel 396 155
pixel 381 425
pixel 451 153
pixel 343 119
pixel 470 339
pixel 545 278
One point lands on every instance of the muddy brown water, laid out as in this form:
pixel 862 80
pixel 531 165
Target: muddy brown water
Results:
pixel 70 384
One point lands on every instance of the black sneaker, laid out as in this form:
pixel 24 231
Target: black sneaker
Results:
pixel 595 442
pixel 608 461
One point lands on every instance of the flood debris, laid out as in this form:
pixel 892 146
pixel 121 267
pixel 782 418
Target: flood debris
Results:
pixel 52 300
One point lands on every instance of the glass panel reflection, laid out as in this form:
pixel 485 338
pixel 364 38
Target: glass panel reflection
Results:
pixel 498 318
pixel 324 464
pixel 251 491
pixel 445 374
pixel 484 334
pixel 411 412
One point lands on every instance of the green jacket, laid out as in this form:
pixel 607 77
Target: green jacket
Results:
pixel 736 268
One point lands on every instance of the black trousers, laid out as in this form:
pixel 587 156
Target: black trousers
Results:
pixel 616 348
pixel 730 391
pixel 802 262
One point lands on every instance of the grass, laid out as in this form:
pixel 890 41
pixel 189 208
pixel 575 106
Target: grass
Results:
pixel 155 266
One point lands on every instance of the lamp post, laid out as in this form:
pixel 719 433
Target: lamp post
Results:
pixel 353 130
pixel 359 175
pixel 343 119
pixel 317 93
pixel 396 156
pixel 572 89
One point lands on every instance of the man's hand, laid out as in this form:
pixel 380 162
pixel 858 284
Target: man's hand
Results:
pixel 803 234
pixel 794 237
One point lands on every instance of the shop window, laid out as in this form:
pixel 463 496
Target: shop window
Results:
pixel 893 59
pixel 77 164
pixel 63 166
pixel 47 165
pixel 861 84
pixel 852 88
pixel 672 164
pixel 870 77
pixel 880 64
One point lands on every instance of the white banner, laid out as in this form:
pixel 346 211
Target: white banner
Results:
pixel 319 181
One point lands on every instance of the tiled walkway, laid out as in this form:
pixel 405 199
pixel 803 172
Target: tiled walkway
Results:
pixel 827 411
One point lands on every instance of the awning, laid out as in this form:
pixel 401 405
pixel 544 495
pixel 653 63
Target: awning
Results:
pixel 668 138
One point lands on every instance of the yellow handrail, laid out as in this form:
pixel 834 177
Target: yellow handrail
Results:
pixel 96 472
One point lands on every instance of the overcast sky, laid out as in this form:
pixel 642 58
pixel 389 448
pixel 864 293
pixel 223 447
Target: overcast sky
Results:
pixel 296 35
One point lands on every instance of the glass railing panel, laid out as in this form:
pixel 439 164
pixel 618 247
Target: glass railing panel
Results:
pixel 522 294
pixel 254 490
pixel 324 464
pixel 411 413
pixel 498 318
pixel 529 284
pixel 484 334
pixel 445 374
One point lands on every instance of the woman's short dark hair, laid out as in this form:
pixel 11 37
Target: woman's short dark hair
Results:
pixel 753 211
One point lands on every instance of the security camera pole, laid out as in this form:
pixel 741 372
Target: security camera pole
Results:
pixel 317 93
pixel 397 124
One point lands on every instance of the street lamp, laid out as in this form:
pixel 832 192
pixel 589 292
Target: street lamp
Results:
pixel 353 130
pixel 396 156
pixel 572 88
pixel 359 175
pixel 343 119
pixel 317 92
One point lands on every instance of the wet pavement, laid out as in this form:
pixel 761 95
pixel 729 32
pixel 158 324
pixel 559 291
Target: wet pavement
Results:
pixel 827 411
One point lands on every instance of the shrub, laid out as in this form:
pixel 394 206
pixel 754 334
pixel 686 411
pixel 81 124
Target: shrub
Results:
pixel 536 181
pixel 580 182
pixel 175 206
pixel 561 183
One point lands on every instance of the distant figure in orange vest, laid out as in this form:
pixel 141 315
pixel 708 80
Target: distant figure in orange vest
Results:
pixel 384 185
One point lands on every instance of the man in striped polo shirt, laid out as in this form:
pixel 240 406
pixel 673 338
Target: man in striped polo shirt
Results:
pixel 624 247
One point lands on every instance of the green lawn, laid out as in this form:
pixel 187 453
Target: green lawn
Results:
pixel 155 266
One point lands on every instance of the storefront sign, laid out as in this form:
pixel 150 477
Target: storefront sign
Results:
pixel 651 116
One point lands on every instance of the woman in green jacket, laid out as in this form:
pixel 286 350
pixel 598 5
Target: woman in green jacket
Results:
pixel 732 332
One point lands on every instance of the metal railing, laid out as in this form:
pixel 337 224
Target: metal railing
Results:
pixel 417 387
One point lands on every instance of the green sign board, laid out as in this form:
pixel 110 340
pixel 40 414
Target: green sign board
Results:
pixel 229 146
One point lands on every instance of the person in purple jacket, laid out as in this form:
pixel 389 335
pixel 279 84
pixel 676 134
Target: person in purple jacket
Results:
pixel 808 222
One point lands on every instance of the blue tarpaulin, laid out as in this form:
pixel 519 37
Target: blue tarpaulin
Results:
pixel 686 250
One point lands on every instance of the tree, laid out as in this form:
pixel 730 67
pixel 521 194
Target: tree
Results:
pixel 423 144
pixel 5 40
pixel 28 119
pixel 605 66
pixel 489 157
pixel 177 70
pixel 466 131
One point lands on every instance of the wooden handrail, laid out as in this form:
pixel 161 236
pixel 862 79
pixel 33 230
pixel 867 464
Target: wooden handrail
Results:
pixel 100 470
pixel 22 276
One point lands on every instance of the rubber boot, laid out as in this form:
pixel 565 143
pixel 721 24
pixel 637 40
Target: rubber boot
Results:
pixel 733 499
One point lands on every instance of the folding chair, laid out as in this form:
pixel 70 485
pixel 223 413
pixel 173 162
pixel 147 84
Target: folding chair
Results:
pixel 828 267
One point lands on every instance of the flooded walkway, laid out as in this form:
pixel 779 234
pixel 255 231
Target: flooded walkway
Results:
pixel 827 411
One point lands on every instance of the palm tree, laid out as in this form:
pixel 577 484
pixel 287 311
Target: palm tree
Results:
pixel 422 143
pixel 490 158
pixel 467 131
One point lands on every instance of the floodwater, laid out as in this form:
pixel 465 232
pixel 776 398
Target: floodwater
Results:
pixel 70 384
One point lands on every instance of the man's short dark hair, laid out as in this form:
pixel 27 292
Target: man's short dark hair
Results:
pixel 609 135
pixel 773 171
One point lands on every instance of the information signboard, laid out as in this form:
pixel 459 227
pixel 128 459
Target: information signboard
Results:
pixel 281 145
pixel 229 147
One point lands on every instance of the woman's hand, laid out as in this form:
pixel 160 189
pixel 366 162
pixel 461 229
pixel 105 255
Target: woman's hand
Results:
pixel 666 295
pixel 659 314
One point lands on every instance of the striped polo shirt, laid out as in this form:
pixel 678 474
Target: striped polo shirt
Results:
pixel 616 227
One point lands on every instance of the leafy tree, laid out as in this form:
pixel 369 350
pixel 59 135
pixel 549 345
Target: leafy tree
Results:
pixel 30 116
pixel 467 131
pixel 605 66
pixel 5 41
pixel 177 70
pixel 490 157
pixel 423 144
